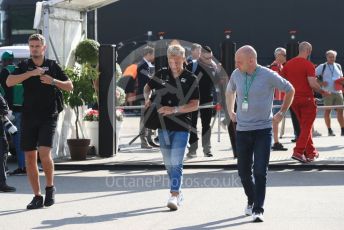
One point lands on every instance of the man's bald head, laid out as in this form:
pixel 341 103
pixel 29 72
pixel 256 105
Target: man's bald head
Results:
pixel 248 51
pixel 246 59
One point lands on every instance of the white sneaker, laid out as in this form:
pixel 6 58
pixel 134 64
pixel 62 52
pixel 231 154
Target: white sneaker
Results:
pixel 258 217
pixel 175 201
pixel 248 210
pixel 172 203
pixel 180 199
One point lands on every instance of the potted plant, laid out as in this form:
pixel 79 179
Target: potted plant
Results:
pixel 83 93
pixel 91 121
pixel 120 100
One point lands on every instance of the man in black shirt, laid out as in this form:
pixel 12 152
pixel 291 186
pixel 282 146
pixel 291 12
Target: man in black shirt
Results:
pixel 206 72
pixel 41 78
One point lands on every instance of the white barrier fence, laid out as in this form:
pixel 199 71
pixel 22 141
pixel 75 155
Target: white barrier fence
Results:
pixel 218 114
pixel 65 127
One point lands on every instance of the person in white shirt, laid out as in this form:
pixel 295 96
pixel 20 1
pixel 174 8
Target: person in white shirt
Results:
pixel 327 73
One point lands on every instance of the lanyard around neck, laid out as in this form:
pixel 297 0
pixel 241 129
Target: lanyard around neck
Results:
pixel 331 69
pixel 248 83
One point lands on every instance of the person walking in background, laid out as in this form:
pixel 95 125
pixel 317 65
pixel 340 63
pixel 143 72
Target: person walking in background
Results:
pixel 301 74
pixel 144 73
pixel 14 97
pixel 128 83
pixel 277 66
pixel 207 76
pixel 196 50
pixel 328 73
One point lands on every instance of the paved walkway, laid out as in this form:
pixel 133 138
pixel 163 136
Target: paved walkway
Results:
pixel 297 198
pixel 214 199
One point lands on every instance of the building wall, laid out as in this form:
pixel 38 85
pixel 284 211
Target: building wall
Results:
pixel 265 24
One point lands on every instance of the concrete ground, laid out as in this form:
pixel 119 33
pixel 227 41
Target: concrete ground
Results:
pixel 298 197
pixel 214 199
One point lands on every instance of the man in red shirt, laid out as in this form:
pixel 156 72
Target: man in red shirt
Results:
pixel 301 74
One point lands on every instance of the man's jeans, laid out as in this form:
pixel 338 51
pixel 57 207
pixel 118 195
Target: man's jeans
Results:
pixel 254 152
pixel 173 145
pixel 3 154
pixel 16 141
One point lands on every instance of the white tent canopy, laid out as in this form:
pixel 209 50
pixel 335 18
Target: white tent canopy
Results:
pixel 64 25
pixel 80 5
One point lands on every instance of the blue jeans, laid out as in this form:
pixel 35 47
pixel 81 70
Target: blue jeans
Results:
pixel 16 140
pixel 173 145
pixel 254 151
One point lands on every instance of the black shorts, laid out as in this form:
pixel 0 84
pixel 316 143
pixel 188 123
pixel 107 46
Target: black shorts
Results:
pixel 36 132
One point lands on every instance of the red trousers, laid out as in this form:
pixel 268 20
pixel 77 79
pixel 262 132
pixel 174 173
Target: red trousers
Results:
pixel 305 110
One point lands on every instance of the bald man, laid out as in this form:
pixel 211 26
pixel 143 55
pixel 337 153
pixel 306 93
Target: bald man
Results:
pixel 301 74
pixel 253 86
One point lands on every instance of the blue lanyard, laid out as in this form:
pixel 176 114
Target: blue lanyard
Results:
pixel 331 70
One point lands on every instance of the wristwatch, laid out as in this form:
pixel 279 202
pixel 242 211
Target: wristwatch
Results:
pixel 176 109
pixel 53 82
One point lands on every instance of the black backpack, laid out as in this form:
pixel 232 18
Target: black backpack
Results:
pixel 320 77
pixel 152 118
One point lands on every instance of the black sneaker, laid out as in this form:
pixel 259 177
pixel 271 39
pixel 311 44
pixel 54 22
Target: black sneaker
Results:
pixel 330 133
pixel 6 188
pixel 153 144
pixel 191 155
pixel 208 154
pixel 278 147
pixel 146 146
pixel 37 202
pixel 49 196
pixel 18 172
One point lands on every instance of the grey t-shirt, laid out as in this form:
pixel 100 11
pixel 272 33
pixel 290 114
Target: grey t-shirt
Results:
pixel 260 97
